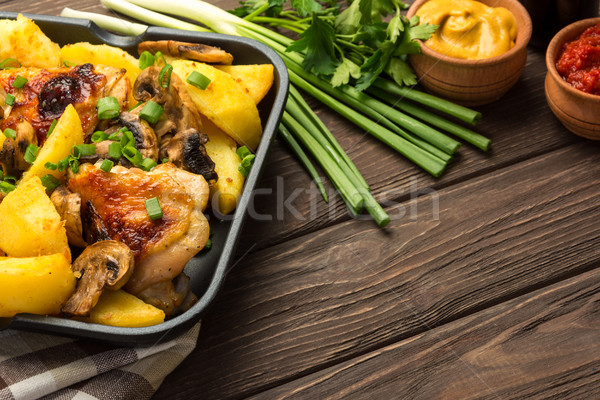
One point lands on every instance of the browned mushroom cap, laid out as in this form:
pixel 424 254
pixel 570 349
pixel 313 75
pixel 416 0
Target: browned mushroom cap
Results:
pixel 68 205
pixel 106 264
pixel 191 51
pixel 186 150
pixel 181 113
pixel 13 150
pixel 145 138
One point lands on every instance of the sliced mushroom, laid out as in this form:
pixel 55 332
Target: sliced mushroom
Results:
pixel 13 150
pixel 68 205
pixel 107 264
pixel 180 111
pixel 145 138
pixel 186 150
pixel 191 51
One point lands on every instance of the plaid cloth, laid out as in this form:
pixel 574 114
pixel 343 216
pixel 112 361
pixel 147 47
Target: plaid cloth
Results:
pixel 34 366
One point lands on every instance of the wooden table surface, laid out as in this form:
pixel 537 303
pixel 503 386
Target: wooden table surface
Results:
pixel 486 284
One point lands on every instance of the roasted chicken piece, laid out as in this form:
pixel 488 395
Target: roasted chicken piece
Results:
pixel 113 207
pixel 48 92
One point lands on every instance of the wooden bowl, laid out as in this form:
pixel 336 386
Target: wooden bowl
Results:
pixel 578 111
pixel 474 82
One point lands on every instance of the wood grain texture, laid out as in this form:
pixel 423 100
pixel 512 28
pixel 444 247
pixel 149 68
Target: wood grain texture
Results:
pixel 343 291
pixel 545 344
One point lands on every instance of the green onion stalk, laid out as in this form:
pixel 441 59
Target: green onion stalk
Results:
pixel 377 111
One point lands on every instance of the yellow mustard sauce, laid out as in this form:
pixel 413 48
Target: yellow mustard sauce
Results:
pixel 469 29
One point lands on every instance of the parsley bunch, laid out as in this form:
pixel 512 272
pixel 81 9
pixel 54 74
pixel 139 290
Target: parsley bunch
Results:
pixel 347 43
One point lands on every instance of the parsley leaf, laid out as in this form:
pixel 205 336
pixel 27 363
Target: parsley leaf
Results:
pixel 352 18
pixel 343 73
pixel 401 72
pixel 306 7
pixel 413 31
pixel 318 41
pixel 395 28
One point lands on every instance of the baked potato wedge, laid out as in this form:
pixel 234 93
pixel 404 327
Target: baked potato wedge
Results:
pixel 119 308
pixel 24 41
pixel 224 102
pixel 256 79
pixel 33 227
pixel 66 134
pixel 36 285
pixel 221 148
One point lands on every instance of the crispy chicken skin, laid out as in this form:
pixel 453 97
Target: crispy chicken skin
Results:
pixel 48 92
pixel 116 202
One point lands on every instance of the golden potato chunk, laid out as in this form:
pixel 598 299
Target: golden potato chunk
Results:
pixel 31 225
pixel 119 308
pixel 222 150
pixel 23 40
pixel 256 79
pixel 224 102
pixel 66 134
pixel 36 285
pixel 103 54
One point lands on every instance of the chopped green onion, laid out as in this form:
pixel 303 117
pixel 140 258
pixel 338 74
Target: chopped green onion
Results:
pixel 67 63
pixel 246 164
pixel 50 182
pixel 10 179
pixel 6 187
pixel 1 174
pixel 10 133
pixel 114 150
pixel 153 208
pixel 127 138
pixel 99 136
pixel 63 164
pixel 146 59
pixel 108 107
pixel 136 106
pixel 51 166
pixel 31 153
pixel 165 71
pixel 199 80
pixel 5 64
pixel 19 82
pixel 133 155
pixel 51 128
pixel 151 112
pixel 107 165
pixel 243 152
pixel 208 244
pixel 158 55
pixel 74 164
pixel 83 150
pixel 10 99
pixel 115 136
pixel 165 160
pixel 147 164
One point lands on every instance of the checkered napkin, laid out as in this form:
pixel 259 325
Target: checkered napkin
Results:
pixel 34 366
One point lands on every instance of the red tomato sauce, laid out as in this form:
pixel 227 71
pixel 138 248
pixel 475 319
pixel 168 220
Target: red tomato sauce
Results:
pixel 579 61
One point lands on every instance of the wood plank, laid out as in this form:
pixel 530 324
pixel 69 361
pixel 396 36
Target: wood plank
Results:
pixel 287 204
pixel 317 300
pixel 544 344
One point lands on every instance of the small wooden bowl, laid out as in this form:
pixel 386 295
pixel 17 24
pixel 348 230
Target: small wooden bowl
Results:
pixel 474 82
pixel 578 111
